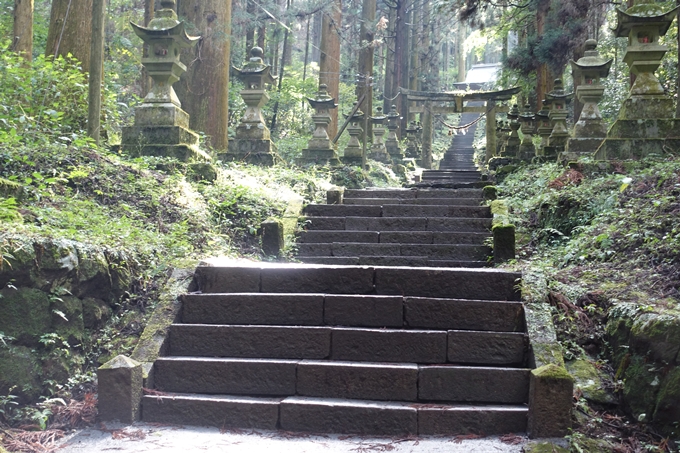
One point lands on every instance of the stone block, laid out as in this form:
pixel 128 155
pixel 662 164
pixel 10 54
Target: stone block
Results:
pixel 369 381
pixel 411 261
pixel 436 211
pixel 377 345
pixel 550 402
pixel 325 223
pixel 448 251
pixel 458 225
pixel 227 279
pixel 220 411
pixel 272 237
pixel 315 249
pixel 341 210
pixel 503 243
pixel 267 309
pixel 273 342
pixel 157 135
pixel 225 376
pixel 365 237
pixel 386 223
pixel 252 151
pixel 487 348
pixel 364 311
pixel 448 283
pixel 318 279
pixel 458 314
pixel 348 417
pixel 358 249
pixel 380 193
pixel 473 384
pixel 449 193
pixel 406 237
pixel 335 196
pixel 161 115
pixel 120 390
pixel 25 314
pixel 457 420
pixel 459 238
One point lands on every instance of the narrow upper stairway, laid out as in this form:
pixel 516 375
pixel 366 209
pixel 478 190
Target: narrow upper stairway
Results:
pixel 346 349
pixel 399 227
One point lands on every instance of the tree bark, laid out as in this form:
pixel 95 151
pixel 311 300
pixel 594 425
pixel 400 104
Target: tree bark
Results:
pixel 388 88
pixel 70 30
pixel 204 89
pixel 542 75
pixel 329 58
pixel 96 70
pixel 365 64
pixel 460 51
pixel 401 61
pixel 316 36
pixel 146 82
pixel 23 28
pixel 250 28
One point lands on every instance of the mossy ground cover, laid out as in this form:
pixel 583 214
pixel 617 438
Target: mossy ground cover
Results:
pixel 594 240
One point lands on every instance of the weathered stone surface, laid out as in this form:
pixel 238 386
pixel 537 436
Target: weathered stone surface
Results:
pixel 348 417
pixel 458 225
pixel 20 367
pixel 341 210
pixel 364 311
pixel 380 193
pixel 473 384
pixel 376 345
pixel 463 314
pixel 272 237
pixel 231 279
pixel 371 381
pixel 120 390
pixel 67 318
pixel 447 251
pixel 449 193
pixel 503 243
pixel 488 348
pixel 315 249
pixel 25 314
pixel 95 312
pixel 550 402
pixel 250 341
pixel 366 237
pixel 667 412
pixel 656 335
pixel 406 237
pixel 220 411
pixel 386 223
pixel 413 261
pixel 330 260
pixel 254 308
pixel 325 223
pixel 354 249
pixel 338 280
pixel 590 381
pixel 458 238
pixel 448 283
pixel 225 376
pixel 486 420
pixel 401 210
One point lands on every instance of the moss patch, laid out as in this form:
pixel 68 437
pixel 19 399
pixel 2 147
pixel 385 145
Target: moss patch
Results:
pixel 25 314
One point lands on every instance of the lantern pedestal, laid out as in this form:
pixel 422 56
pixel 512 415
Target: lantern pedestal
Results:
pixel 378 149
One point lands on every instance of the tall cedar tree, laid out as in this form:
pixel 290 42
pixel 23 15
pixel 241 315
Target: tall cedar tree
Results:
pixel 23 28
pixel 70 30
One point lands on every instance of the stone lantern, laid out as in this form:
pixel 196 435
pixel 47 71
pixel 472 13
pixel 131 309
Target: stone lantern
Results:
pixel 513 142
pixel 412 149
pixel 252 142
pixel 378 150
pixel 645 123
pixel 161 127
pixel 590 129
pixel 354 151
pixel 320 149
pixel 527 120
pixel 543 127
pixel 558 99
pixel 392 142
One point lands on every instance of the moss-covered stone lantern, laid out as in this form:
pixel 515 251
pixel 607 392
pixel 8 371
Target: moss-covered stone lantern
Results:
pixel 412 149
pixel 378 150
pixel 543 127
pixel 558 99
pixel 161 127
pixel 527 121
pixel 320 149
pixel 513 142
pixel 354 150
pixel 392 142
pixel 252 142
pixel 645 123
pixel 590 129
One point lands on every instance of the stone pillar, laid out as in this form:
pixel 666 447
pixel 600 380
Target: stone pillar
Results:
pixel 378 149
pixel 527 150
pixel 427 136
pixel 272 237
pixel 490 130
pixel 558 116
pixel 550 401
pixel 513 142
pixel 392 142
pixel 120 389
pixel 354 150
pixel 253 142
pixel 320 149
pixel 161 127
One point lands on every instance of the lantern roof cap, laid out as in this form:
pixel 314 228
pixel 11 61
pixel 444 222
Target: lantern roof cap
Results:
pixel 643 12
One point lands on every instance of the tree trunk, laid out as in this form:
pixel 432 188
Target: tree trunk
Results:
pixel 96 70
pixel 250 28
pixel 261 36
pixel 316 36
pixel 542 75
pixel 204 89
pixel 388 88
pixel 329 58
pixel 146 82
pixel 287 44
pixel 23 28
pixel 365 64
pixel 401 61
pixel 415 69
pixel 460 51
pixel 70 30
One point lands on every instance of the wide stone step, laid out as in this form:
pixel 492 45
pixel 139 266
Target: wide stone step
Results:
pixel 413 193
pixel 418 201
pixel 473 384
pixel 218 276
pixel 333 415
pixel 414 261
pixel 448 224
pixel 317 236
pixel 348 344
pixel 389 237
pixel 396 210
pixel 425 251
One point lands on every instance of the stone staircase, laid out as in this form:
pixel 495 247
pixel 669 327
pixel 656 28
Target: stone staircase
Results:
pixel 399 227
pixel 346 349
pixel 457 166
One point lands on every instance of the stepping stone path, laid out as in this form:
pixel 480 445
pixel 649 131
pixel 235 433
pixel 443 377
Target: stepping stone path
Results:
pixel 347 349
pixel 458 166
pixel 399 227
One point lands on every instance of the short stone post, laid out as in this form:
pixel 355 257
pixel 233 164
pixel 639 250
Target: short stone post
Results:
pixel 253 140
pixel 550 401
pixel 392 142
pixel 335 196
pixel 527 150
pixel 320 149
pixel 513 142
pixel 161 127
pixel 503 243
pixel 558 116
pixel 120 389
pixel 378 149
pixel 354 150
pixel 272 237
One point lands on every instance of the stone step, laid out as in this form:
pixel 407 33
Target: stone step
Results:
pixel 396 210
pixel 238 277
pixel 444 224
pixel 348 344
pixel 413 193
pixel 389 237
pixel 419 201
pixel 427 251
pixel 415 261
pixel 320 236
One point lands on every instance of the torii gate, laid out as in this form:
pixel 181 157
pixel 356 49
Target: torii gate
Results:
pixel 427 99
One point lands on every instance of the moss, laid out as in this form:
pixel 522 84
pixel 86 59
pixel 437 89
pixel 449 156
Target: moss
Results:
pixel 596 445
pixel 200 171
pixel 547 353
pixel 667 413
pixel 591 381
pixel 641 386
pixel 503 243
pixel 25 314
pixel 656 335
pixel 490 192
pixel 67 318
pixel 19 368
pixel 95 312
pixel 498 207
pixel 544 447
pixel 552 372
